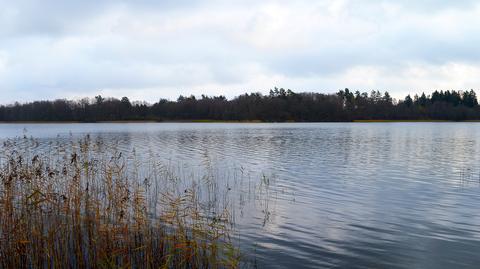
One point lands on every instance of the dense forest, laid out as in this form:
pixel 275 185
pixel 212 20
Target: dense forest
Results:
pixel 278 106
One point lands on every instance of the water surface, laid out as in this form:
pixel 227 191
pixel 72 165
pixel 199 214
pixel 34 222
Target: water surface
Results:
pixel 342 195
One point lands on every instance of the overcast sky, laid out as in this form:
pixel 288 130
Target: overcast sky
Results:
pixel 147 49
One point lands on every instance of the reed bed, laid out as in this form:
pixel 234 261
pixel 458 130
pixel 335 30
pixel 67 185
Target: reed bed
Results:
pixel 85 204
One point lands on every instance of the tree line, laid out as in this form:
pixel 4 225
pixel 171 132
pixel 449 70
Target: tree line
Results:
pixel 279 105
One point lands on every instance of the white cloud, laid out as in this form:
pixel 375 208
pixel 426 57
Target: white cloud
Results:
pixel 149 49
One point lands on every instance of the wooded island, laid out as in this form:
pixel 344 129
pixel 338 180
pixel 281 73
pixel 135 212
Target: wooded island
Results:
pixel 279 105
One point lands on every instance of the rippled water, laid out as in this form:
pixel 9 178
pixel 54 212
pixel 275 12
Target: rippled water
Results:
pixel 380 195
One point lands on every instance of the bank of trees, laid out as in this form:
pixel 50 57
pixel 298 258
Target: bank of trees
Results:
pixel 279 105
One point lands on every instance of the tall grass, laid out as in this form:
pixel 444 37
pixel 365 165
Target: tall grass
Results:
pixel 84 205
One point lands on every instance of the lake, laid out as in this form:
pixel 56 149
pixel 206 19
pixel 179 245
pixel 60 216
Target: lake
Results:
pixel 339 195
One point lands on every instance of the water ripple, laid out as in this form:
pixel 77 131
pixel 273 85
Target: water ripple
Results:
pixel 324 195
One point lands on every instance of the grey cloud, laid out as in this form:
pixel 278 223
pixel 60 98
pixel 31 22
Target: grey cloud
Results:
pixel 51 18
pixel 49 48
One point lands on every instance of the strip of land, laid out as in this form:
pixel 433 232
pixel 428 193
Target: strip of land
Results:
pixel 279 105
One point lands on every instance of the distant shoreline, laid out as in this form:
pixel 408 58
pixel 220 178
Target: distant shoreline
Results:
pixel 279 105
pixel 231 121
pixel 412 121
pixel 131 121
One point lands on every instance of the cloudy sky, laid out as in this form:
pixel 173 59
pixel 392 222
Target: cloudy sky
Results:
pixel 148 49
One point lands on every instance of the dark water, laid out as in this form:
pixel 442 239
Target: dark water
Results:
pixel 380 195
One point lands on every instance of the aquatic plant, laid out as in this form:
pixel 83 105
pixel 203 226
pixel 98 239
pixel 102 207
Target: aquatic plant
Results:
pixel 85 204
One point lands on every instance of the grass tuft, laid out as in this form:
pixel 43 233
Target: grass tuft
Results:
pixel 85 205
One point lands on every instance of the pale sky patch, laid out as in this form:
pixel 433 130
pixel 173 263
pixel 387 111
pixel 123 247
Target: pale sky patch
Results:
pixel 149 50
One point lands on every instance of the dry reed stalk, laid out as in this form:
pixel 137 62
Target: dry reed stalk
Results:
pixel 78 207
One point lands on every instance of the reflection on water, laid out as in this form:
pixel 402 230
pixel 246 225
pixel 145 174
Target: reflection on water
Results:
pixel 396 195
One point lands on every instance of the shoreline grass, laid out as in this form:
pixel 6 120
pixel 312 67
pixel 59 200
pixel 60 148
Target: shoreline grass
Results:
pixel 132 121
pixel 224 121
pixel 79 207
pixel 393 121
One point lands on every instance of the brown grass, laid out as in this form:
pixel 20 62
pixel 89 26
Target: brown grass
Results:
pixel 85 206
pixel 393 121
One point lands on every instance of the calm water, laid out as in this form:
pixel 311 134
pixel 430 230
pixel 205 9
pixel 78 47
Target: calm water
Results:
pixel 380 195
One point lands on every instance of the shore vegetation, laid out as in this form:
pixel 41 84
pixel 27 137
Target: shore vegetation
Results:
pixel 279 105
pixel 83 204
